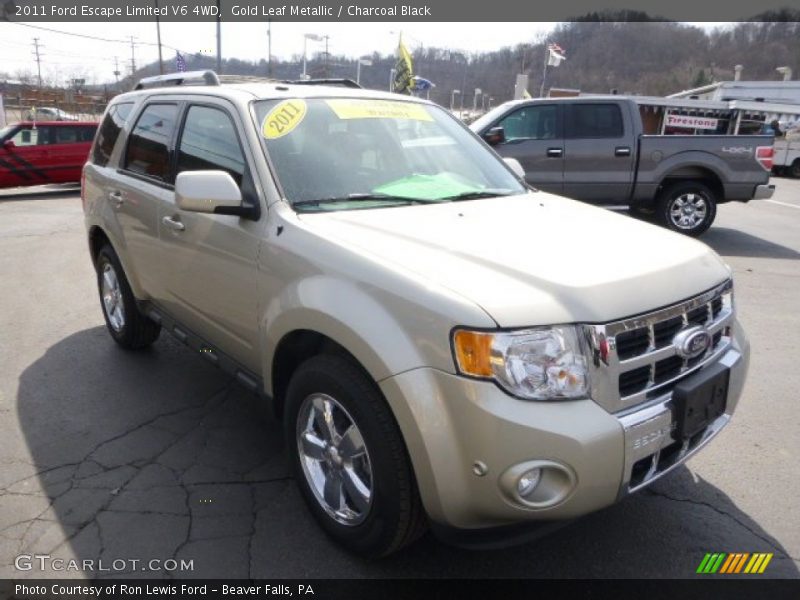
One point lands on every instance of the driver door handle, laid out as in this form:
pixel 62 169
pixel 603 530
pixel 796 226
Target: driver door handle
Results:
pixel 173 224
pixel 555 152
pixel 116 198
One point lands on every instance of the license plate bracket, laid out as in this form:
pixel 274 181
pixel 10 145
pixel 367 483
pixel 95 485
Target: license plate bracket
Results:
pixel 699 399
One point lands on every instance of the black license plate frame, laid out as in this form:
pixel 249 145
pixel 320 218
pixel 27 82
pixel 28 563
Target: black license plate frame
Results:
pixel 700 399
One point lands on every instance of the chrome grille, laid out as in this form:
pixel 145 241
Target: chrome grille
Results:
pixel 635 360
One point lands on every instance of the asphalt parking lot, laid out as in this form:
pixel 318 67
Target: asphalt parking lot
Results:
pixel 111 455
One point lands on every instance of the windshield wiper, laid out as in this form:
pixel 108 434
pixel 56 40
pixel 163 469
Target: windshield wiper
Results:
pixel 363 197
pixel 474 195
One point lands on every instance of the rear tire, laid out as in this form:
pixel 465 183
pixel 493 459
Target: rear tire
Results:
pixel 688 207
pixel 360 487
pixel 794 170
pixel 127 325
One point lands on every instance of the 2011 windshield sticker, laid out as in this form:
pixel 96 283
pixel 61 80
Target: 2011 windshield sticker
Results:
pixel 347 108
pixel 282 119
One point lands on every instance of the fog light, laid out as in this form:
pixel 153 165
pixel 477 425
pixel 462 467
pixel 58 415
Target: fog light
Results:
pixel 537 484
pixel 528 482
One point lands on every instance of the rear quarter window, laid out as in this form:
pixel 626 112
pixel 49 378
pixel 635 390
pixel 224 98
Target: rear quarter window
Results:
pixel 109 132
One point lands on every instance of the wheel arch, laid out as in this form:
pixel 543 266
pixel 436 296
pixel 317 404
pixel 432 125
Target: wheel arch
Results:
pixel 99 237
pixel 688 173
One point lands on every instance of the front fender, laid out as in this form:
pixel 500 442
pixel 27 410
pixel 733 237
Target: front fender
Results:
pixel 367 326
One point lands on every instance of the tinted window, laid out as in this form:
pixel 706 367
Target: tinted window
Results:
pixel 30 136
pixel 594 121
pixel 209 141
pixel 148 146
pixel 531 123
pixel 73 134
pixel 109 132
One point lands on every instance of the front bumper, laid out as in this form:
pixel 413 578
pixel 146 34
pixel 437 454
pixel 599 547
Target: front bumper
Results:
pixel 465 436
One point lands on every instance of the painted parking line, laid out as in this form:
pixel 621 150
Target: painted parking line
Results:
pixel 783 203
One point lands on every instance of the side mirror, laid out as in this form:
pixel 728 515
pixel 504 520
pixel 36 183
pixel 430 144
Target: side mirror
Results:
pixel 496 135
pixel 212 192
pixel 9 144
pixel 516 167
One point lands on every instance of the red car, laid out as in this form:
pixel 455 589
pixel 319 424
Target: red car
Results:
pixel 44 152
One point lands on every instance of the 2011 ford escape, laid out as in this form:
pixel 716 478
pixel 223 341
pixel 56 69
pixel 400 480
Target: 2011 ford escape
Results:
pixel 444 345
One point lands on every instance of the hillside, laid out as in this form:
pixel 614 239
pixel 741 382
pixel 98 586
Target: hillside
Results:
pixel 651 58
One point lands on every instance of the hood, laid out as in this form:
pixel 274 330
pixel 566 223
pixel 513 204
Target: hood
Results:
pixel 533 259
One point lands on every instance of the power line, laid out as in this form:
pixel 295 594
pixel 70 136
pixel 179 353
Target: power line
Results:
pixel 88 37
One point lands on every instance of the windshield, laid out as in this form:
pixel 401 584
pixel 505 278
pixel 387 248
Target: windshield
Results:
pixel 344 153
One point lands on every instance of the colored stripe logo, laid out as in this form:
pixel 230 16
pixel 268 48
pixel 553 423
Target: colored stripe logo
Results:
pixel 734 563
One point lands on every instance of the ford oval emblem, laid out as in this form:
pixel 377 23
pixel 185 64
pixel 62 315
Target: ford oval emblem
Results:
pixel 692 342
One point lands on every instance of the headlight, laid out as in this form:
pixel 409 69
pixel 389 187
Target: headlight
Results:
pixel 535 364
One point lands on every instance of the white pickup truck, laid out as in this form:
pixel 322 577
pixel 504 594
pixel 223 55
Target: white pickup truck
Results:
pixel 786 157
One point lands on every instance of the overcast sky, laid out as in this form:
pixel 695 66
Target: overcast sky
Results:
pixel 66 56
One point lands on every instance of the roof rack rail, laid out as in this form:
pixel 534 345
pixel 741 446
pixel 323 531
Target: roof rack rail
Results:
pixel 247 79
pixel 183 78
pixel 343 82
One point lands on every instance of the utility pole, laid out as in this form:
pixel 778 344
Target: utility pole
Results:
pixel 269 47
pixel 116 72
pixel 219 39
pixel 133 57
pixel 38 55
pixel 158 35
pixel 327 56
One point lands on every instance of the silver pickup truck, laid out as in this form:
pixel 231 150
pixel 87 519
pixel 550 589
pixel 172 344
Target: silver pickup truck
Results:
pixel 593 149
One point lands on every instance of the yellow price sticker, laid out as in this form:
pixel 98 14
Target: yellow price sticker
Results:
pixel 282 119
pixel 346 108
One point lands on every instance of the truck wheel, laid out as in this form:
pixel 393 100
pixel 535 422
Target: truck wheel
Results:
pixel 794 170
pixel 349 458
pixel 129 327
pixel 687 207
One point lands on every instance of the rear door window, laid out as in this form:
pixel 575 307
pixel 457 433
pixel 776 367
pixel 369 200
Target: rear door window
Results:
pixel 593 121
pixel 148 146
pixel 109 132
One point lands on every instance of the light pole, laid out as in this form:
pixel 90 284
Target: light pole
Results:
pixel 361 61
pixel 308 36
pixel 475 99
pixel 453 98
pixel 463 79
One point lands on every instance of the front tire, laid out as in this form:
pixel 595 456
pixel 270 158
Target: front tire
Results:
pixel 688 207
pixel 127 325
pixel 349 458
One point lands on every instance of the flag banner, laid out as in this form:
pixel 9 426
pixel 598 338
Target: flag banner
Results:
pixel 180 62
pixel 404 70
pixel 555 54
pixel 421 84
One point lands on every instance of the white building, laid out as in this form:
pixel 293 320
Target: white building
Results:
pixel 775 99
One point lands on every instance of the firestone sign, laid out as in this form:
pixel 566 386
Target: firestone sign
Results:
pixel 691 122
